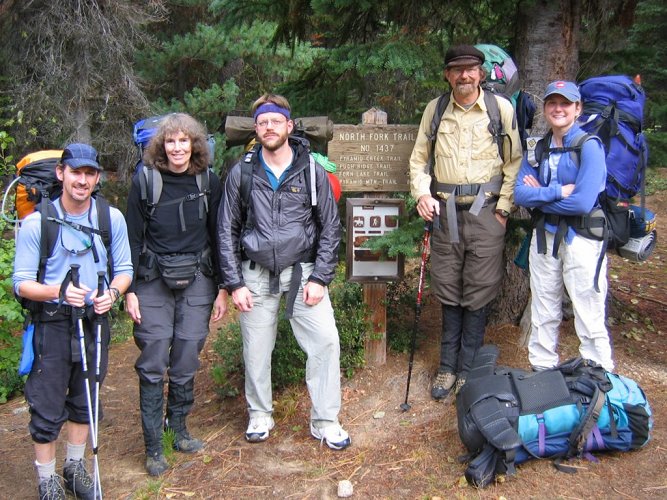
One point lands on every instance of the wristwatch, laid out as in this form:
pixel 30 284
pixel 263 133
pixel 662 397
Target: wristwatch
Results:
pixel 502 213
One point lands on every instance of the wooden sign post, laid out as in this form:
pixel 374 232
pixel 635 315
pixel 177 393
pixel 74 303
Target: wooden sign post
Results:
pixel 373 158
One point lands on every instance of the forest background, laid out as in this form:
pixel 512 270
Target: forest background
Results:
pixel 86 71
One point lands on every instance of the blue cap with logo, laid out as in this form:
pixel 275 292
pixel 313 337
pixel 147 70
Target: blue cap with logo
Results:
pixel 80 155
pixel 569 90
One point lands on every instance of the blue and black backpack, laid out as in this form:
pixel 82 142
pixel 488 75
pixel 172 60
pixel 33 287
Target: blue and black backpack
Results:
pixel 508 416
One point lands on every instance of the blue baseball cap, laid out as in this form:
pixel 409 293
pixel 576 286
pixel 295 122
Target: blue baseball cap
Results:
pixel 569 90
pixel 80 155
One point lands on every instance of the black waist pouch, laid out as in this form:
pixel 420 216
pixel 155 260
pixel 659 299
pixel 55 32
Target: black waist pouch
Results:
pixel 178 271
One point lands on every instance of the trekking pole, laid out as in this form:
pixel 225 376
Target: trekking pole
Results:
pixel 99 320
pixel 418 309
pixel 78 312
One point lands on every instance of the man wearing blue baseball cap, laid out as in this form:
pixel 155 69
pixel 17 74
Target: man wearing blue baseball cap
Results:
pixel 567 249
pixel 56 389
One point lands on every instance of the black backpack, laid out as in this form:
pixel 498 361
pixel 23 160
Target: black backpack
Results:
pixel 247 181
pixel 507 416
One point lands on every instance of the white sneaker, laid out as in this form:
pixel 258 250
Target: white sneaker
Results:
pixel 258 429
pixel 333 435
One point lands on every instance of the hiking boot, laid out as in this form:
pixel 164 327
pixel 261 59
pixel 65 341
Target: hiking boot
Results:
pixel 333 435
pixel 258 428
pixel 156 464
pixel 186 443
pixel 77 480
pixel 442 385
pixel 51 489
pixel 180 399
pixel 460 382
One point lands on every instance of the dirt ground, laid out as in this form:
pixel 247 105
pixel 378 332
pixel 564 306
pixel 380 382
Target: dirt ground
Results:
pixel 393 454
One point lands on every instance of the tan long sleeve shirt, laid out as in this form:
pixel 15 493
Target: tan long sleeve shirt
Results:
pixel 465 152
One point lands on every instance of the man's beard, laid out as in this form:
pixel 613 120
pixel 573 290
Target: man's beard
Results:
pixel 274 143
pixel 465 89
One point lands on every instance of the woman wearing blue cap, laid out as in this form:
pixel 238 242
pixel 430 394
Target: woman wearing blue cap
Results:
pixel 562 187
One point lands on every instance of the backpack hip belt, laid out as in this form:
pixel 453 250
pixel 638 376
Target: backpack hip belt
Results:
pixel 593 226
pixel 480 201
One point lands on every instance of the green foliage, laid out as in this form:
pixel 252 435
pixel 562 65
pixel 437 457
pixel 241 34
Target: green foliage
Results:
pixel 405 240
pixel 6 159
pixel 10 355
pixel 227 371
pixel 11 315
pixel 655 182
pixel 11 318
pixel 289 361
pixel 657 148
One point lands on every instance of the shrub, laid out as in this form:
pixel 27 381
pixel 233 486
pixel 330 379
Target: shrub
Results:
pixel 289 361
pixel 11 319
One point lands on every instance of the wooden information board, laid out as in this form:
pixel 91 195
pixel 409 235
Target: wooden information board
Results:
pixel 373 157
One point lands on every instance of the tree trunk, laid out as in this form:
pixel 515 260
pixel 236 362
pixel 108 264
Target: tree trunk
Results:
pixel 547 48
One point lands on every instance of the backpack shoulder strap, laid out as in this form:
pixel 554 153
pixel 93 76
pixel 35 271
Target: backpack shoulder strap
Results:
pixel 245 187
pixel 150 182
pixel 312 183
pixel 575 147
pixel 48 237
pixel 104 227
pixel 440 107
pixel 203 184
pixel 496 128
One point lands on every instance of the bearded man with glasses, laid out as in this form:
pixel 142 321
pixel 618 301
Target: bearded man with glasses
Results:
pixel 280 244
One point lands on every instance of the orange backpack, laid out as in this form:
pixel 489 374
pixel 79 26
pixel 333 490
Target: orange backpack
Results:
pixel 35 179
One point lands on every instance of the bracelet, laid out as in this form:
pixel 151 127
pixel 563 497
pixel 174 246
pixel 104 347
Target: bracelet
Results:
pixel 115 292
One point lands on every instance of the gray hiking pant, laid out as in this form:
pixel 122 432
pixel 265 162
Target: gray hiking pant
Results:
pixel 173 329
pixel 315 330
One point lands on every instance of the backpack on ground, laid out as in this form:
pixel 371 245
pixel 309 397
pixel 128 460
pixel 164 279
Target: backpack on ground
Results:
pixel 508 416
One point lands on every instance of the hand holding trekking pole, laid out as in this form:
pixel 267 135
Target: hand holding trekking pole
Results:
pixel 428 207
pixel 428 228
pixel 76 294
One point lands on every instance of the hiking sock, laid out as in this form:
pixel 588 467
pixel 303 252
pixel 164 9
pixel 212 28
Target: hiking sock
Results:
pixel 75 452
pixel 45 471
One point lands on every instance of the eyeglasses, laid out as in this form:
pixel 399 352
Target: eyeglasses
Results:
pixel 272 121
pixel 460 70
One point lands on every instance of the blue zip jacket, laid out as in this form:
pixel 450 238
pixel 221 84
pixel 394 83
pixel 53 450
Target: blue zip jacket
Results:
pixel 589 180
